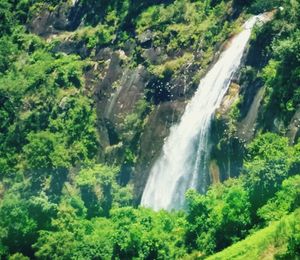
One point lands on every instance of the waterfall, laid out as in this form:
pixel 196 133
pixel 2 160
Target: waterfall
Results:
pixel 183 163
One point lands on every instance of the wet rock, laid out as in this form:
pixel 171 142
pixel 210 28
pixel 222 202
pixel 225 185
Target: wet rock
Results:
pixel 227 151
pixel 229 135
pixel 184 86
pixel 293 128
pixel 157 129
pixel 214 172
pixel 228 100
pixel 247 126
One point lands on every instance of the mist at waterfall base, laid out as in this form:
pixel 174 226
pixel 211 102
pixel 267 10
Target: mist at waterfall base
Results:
pixel 183 163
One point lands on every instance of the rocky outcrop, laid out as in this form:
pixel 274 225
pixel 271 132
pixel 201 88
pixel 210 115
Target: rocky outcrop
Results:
pixel 165 80
pixel 228 100
pixel 117 89
pixel 214 172
pixel 129 90
pixel 247 126
pixel 293 132
pixel 49 22
pixel 70 46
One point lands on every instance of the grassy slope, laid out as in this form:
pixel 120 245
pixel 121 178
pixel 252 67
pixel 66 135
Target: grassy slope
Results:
pixel 263 244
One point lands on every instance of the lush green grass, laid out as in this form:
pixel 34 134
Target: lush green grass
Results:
pixel 267 243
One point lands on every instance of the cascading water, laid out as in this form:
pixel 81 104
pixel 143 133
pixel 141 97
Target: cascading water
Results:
pixel 183 163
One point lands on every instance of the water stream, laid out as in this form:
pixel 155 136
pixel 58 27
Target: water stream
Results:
pixel 183 163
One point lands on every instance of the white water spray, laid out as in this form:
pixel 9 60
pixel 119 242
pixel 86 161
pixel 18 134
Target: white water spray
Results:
pixel 183 163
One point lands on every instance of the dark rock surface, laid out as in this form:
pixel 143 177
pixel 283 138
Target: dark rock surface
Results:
pixel 72 47
pixel 294 127
pixel 50 22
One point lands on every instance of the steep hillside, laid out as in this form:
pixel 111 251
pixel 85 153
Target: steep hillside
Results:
pixel 88 92
pixel 275 241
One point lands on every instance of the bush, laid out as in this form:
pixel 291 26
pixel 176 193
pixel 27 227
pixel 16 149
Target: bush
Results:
pixel 260 6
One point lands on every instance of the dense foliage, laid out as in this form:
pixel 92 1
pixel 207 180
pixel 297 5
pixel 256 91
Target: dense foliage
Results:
pixel 59 200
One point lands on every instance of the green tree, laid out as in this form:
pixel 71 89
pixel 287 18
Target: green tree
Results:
pixel 98 185
pixel 68 230
pixel 219 218
pixel 8 51
pixel 18 230
pixel 268 162
pixel 144 234
pixel 6 16
pixel 286 200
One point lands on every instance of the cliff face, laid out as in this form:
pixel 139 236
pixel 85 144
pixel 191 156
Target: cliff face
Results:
pixel 141 85
pixel 245 112
pixel 89 90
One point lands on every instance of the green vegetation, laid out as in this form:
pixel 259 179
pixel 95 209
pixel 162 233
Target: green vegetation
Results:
pixel 230 210
pixel 218 218
pixel 127 234
pixel 90 219
pixel 60 200
pixel 281 74
pixel 280 240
